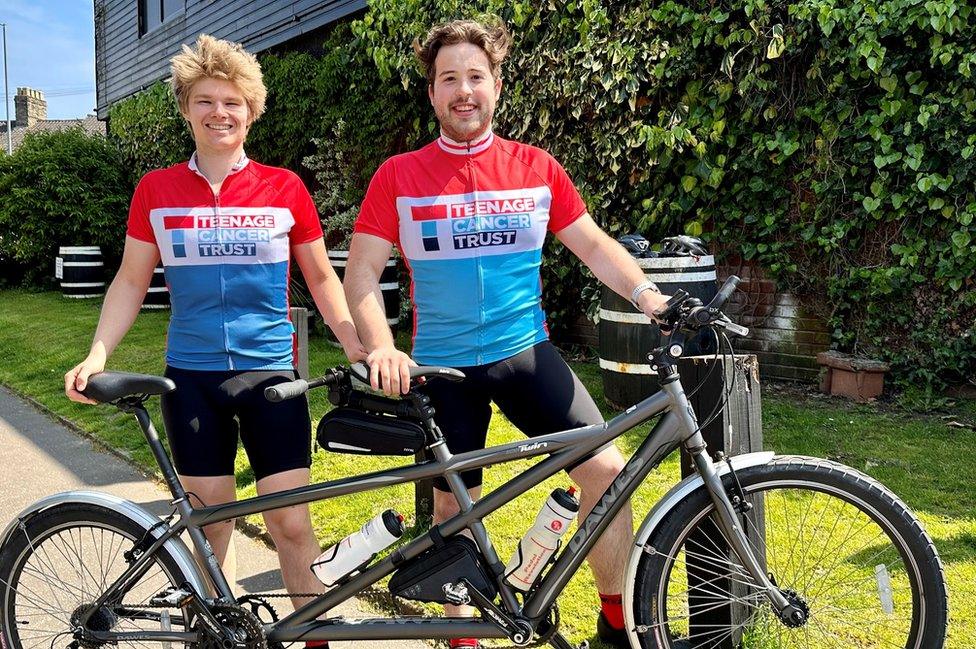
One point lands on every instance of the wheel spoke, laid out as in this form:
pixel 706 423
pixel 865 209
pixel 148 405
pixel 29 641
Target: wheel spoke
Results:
pixel 820 543
pixel 64 567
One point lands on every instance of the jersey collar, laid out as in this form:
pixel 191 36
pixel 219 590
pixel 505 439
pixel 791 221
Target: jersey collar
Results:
pixel 466 148
pixel 240 164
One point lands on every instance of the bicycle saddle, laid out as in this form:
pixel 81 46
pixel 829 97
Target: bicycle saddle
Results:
pixel 109 386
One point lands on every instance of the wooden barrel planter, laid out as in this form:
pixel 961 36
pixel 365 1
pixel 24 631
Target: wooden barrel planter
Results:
pixel 157 297
pixel 389 285
pixel 627 336
pixel 81 271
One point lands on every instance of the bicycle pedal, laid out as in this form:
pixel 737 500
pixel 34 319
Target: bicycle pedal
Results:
pixel 174 598
pixel 457 594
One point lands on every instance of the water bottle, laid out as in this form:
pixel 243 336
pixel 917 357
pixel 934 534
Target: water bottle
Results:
pixel 540 542
pixel 358 548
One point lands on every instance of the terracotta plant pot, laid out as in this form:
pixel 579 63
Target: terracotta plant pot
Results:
pixel 860 379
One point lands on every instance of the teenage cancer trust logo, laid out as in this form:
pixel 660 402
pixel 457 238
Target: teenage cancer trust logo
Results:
pixel 474 224
pixel 223 235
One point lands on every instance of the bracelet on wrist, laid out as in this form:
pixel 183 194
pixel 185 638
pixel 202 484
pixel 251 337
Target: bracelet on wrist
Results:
pixel 640 288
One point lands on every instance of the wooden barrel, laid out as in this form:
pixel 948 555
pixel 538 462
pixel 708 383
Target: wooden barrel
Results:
pixel 389 284
pixel 157 297
pixel 81 271
pixel 627 336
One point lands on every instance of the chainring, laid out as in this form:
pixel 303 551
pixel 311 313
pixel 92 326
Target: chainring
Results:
pixel 246 627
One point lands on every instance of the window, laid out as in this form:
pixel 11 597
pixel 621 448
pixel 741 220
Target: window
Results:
pixel 153 13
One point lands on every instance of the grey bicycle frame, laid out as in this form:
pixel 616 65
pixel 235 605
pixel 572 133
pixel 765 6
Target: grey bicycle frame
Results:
pixel 676 427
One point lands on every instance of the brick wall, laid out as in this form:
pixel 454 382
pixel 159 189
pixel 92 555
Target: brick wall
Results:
pixel 783 334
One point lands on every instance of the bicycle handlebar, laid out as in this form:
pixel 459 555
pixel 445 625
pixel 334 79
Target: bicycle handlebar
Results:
pixel 685 312
pixel 335 376
pixel 284 391
pixel 725 292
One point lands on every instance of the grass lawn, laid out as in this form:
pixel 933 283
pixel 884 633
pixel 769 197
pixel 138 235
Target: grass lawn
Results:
pixel 921 458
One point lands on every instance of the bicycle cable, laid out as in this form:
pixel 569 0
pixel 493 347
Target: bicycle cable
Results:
pixel 720 406
pixel 718 347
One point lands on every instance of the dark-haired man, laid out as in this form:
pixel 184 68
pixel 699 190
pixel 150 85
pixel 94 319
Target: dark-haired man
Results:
pixel 470 212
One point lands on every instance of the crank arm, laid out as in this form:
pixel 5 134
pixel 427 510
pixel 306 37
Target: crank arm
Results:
pixel 519 631
pixel 144 614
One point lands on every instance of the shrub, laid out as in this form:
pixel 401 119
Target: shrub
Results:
pixel 149 131
pixel 59 188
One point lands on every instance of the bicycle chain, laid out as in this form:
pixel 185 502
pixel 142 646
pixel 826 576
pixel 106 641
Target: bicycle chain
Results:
pixel 374 592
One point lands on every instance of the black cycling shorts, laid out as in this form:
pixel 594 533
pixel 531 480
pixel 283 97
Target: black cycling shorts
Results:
pixel 205 412
pixel 535 389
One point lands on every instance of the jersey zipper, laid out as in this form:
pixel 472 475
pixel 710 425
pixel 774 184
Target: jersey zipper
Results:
pixel 473 177
pixel 220 268
pixel 223 288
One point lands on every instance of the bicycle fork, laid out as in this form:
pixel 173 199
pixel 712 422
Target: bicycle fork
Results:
pixel 791 613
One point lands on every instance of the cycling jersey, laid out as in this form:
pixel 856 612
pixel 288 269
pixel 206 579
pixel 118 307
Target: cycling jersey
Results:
pixel 226 260
pixel 470 220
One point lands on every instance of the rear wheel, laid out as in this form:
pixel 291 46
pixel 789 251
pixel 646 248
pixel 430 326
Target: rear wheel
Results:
pixel 834 540
pixel 57 564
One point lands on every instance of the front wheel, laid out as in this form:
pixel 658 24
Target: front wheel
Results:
pixel 55 566
pixel 832 539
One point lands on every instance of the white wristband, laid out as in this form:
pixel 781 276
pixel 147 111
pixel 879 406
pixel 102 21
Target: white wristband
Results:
pixel 640 288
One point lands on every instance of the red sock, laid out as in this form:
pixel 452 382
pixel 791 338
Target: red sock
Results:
pixel 613 610
pixel 463 642
pixel 316 644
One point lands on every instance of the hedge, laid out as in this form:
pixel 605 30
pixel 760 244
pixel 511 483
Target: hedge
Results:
pixel 831 145
pixel 59 189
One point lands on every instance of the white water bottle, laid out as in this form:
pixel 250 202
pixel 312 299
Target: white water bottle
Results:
pixel 540 542
pixel 358 548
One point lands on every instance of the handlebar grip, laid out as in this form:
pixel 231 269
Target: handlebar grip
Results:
pixel 284 391
pixel 728 288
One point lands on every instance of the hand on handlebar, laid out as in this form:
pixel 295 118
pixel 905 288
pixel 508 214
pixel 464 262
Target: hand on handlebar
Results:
pixel 687 313
pixel 653 304
pixel 389 370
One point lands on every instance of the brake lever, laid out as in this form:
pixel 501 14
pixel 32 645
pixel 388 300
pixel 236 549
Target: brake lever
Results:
pixel 732 327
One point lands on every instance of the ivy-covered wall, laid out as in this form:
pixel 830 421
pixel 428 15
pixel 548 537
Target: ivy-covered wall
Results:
pixel 833 145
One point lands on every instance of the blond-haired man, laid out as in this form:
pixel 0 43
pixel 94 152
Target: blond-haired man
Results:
pixel 226 228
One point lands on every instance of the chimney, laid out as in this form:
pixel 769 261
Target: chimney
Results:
pixel 29 106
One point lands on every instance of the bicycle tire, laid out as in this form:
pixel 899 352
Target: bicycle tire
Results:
pixel 50 569
pixel 802 500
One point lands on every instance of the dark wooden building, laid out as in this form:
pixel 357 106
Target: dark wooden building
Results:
pixel 134 39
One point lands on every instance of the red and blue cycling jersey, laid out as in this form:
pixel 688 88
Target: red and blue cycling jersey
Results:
pixel 470 221
pixel 226 259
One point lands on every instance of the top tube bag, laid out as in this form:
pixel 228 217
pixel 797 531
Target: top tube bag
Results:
pixel 349 430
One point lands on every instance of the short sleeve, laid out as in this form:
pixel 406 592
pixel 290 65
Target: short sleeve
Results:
pixel 307 225
pixel 139 227
pixel 378 214
pixel 567 204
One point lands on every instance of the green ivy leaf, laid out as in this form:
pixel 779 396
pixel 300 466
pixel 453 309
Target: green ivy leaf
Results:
pixel 728 61
pixel 776 44
pixel 871 204
pixel 688 183
pixel 961 238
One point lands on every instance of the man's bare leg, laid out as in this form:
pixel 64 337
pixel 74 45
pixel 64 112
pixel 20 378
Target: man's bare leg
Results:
pixel 214 490
pixel 446 506
pixel 608 559
pixel 291 529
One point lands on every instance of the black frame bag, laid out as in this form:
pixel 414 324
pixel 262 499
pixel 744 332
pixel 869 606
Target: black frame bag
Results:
pixel 423 578
pixel 349 430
